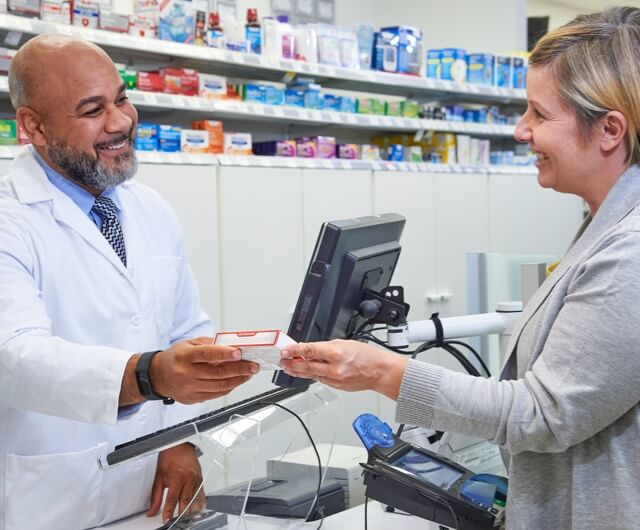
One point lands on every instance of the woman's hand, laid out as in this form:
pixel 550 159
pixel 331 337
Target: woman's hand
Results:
pixel 346 365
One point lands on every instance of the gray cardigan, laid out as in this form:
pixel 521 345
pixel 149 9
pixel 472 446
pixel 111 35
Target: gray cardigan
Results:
pixel 565 410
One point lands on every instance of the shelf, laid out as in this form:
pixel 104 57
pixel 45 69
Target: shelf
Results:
pixel 126 48
pixel 155 157
pixel 239 110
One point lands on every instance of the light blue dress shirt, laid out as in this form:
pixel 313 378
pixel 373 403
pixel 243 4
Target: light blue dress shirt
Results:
pixel 84 200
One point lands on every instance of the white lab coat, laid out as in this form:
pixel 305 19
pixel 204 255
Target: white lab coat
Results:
pixel 70 317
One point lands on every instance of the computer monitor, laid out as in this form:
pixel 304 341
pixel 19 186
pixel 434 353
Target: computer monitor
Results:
pixel 350 256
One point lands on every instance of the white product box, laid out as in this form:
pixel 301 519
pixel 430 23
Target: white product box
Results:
pixel 212 86
pixel 237 144
pixel 143 26
pixel 112 21
pixel 58 11
pixel 85 14
pixel 194 141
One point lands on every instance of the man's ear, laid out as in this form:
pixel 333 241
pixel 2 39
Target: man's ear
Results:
pixel 614 130
pixel 31 123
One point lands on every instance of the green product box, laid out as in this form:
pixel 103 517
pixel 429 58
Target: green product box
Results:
pixel 8 132
pixel 370 106
pixel 394 108
pixel 410 109
pixel 129 77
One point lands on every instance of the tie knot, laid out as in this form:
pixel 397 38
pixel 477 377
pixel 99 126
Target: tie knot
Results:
pixel 105 207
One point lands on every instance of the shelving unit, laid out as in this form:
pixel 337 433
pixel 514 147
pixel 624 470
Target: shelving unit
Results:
pixel 130 49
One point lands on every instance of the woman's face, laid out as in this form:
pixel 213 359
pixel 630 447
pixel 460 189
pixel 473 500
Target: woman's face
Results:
pixel 566 159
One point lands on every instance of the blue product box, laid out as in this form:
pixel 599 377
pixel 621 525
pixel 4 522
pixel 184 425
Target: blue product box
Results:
pixel 502 71
pixel 433 64
pixel 469 115
pixel 332 102
pixel 455 113
pixel 385 52
pixel 169 138
pixel 480 68
pixel 146 137
pixel 348 104
pixel 480 115
pixel 293 97
pixel 312 97
pixel 453 64
pixel 273 95
pixel 518 73
pixel 254 93
pixel 395 153
pixel 176 21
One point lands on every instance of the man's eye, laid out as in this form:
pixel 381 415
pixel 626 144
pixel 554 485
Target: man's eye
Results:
pixel 123 99
pixel 539 115
pixel 92 112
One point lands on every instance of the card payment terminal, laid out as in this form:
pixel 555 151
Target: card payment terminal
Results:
pixel 426 484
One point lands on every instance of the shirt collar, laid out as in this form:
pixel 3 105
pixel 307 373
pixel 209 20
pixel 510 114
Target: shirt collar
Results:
pixel 81 197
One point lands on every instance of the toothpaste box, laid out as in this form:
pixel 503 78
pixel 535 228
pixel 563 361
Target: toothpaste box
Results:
pixel 146 137
pixel 480 68
pixel 169 138
pixel 58 11
pixel 150 81
pixel 85 14
pixel 212 86
pixel 29 8
pixel 216 134
pixel 112 21
pixel 145 26
pixel 194 141
pixel 237 144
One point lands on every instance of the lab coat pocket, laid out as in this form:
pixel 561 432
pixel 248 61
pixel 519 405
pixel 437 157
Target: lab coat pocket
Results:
pixel 60 490
pixel 164 278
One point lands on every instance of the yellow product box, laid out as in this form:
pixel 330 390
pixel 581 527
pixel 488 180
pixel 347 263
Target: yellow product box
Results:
pixel 8 132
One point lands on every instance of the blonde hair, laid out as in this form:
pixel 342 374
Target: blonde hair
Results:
pixel 596 64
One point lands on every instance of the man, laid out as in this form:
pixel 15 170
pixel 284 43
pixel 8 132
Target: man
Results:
pixel 93 282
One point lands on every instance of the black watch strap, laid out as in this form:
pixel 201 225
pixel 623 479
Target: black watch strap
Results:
pixel 144 380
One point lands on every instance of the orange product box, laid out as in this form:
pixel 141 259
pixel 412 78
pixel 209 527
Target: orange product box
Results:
pixel 216 134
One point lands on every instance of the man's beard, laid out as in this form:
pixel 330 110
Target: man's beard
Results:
pixel 90 171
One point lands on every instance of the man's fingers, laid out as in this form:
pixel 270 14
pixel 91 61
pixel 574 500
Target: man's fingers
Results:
pixel 306 369
pixel 226 370
pixel 215 354
pixel 156 497
pixel 170 504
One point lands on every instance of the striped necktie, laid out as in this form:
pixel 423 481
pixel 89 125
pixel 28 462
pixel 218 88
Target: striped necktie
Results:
pixel 111 229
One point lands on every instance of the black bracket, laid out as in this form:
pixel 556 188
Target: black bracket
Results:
pixel 385 307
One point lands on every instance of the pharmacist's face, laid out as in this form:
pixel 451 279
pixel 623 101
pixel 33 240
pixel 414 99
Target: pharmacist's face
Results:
pixel 90 124
pixel 564 157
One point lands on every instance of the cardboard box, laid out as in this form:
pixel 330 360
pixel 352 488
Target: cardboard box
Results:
pixel 194 141
pixel 85 14
pixel 150 82
pixel 216 134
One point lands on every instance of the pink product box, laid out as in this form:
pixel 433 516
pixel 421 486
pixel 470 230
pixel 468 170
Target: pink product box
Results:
pixel 349 151
pixel 326 147
pixel 286 148
pixel 306 147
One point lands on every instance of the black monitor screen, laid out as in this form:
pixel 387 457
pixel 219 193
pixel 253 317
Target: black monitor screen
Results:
pixel 428 469
pixel 350 257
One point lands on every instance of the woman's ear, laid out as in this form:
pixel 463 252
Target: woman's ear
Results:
pixel 614 130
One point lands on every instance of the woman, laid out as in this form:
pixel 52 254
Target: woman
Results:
pixel 565 409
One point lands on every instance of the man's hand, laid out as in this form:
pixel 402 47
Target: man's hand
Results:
pixel 190 371
pixel 178 471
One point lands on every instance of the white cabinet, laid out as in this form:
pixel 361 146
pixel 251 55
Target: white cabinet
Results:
pixel 192 192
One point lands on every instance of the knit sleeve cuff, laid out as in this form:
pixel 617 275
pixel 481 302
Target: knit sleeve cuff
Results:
pixel 418 392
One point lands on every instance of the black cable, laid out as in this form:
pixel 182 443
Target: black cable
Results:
pixel 366 500
pixel 473 352
pixel 315 449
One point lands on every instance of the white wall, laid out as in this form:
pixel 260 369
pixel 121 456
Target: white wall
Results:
pixel 490 25
pixel 558 14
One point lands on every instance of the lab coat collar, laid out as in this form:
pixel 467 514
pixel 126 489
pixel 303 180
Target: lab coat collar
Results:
pixel 32 186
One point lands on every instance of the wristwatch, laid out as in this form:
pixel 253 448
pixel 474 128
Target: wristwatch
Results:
pixel 144 380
